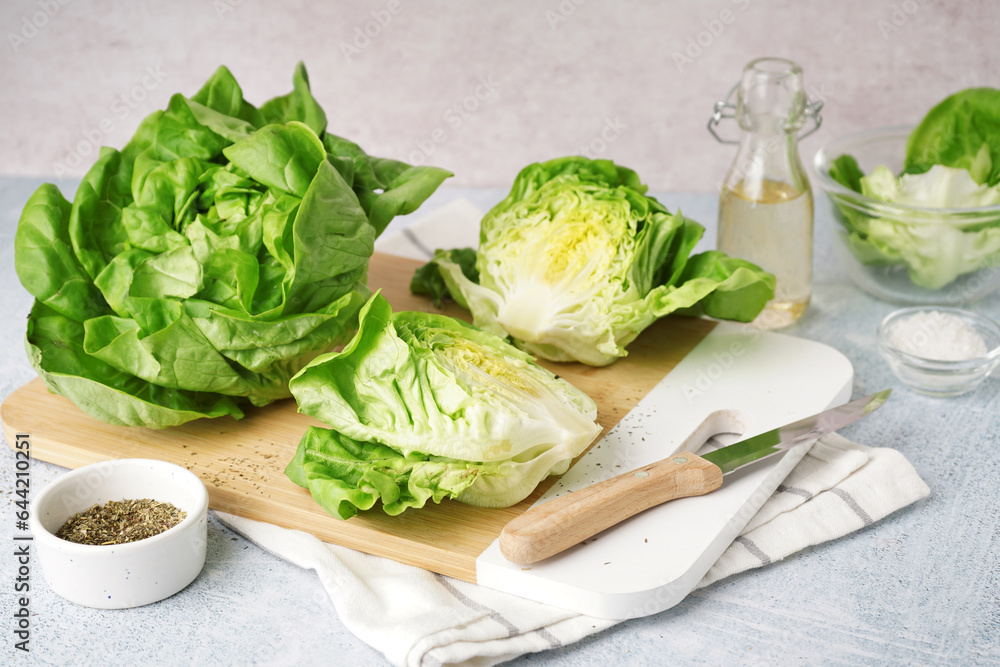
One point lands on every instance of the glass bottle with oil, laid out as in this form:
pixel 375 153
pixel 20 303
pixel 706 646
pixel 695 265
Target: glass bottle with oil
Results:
pixel 766 203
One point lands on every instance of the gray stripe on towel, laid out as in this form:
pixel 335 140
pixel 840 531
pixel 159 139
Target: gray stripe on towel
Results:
pixel 853 504
pixel 412 238
pixel 549 637
pixel 754 549
pixel 512 630
pixel 794 491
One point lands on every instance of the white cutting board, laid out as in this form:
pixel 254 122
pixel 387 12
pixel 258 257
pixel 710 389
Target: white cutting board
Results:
pixel 736 380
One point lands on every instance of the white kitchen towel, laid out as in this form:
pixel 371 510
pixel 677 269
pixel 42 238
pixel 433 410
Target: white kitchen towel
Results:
pixel 417 618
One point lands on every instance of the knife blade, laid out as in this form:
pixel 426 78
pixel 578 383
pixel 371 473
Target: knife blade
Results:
pixel 558 524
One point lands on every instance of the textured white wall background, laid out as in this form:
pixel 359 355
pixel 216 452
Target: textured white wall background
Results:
pixel 482 88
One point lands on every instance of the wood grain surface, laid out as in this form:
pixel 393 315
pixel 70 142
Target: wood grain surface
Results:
pixel 568 520
pixel 242 461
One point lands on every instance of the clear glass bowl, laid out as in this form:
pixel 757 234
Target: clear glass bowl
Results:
pixel 882 266
pixel 935 377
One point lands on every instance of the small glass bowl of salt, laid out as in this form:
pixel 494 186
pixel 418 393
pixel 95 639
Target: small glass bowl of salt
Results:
pixel 940 351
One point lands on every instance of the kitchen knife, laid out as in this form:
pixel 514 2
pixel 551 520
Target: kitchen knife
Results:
pixel 560 523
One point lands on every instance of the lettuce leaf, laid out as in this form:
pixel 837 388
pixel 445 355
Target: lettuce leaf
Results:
pixel 427 279
pixel 204 264
pixel 961 131
pixel 577 261
pixel 421 407
pixel 935 249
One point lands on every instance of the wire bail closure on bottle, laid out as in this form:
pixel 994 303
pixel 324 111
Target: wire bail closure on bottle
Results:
pixel 727 109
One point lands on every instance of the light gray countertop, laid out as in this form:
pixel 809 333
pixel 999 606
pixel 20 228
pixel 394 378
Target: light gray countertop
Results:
pixel 921 587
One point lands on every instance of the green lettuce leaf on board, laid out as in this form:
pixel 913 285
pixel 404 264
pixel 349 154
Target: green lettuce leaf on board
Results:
pixel 952 162
pixel 578 260
pixel 427 280
pixel 422 407
pixel 201 266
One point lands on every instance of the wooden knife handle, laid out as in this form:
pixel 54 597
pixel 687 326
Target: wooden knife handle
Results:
pixel 554 526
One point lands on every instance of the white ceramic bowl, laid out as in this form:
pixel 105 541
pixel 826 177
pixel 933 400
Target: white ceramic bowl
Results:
pixel 935 377
pixel 121 575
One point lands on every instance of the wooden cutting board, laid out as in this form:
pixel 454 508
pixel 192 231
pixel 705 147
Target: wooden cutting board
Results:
pixel 242 461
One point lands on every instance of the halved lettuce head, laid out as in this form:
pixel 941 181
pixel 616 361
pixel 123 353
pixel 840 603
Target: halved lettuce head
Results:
pixel 577 261
pixel 421 406
pixel 204 264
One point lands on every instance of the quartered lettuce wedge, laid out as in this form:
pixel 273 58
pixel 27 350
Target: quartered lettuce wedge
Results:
pixel 422 407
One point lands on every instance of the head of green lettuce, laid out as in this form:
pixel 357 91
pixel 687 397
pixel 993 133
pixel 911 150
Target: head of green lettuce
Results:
pixel 200 267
